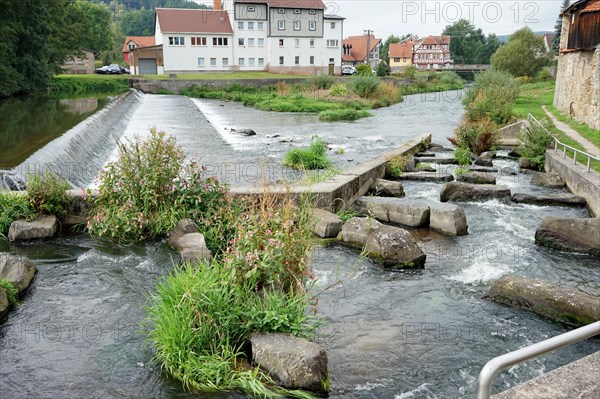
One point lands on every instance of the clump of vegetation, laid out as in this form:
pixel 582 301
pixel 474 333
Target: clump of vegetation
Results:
pixel 364 70
pixel 423 146
pixel 463 156
pixel 347 214
pixel 478 136
pixel 397 165
pixel 283 89
pixel 13 206
pixel 88 84
pixel 460 171
pixel 535 140
pixel 382 69
pixel 524 55
pixel 320 82
pixel 343 115
pixel 313 157
pixel 409 72
pixel 47 194
pixel 366 86
pixel 339 90
pixel 492 96
pixel 12 293
pixel 387 94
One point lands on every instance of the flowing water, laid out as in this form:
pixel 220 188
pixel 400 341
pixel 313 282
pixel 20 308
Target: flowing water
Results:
pixel 413 334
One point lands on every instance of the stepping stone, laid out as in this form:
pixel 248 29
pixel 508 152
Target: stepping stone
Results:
pixel 560 199
pixel 437 177
pixel 457 191
pixel 477 178
pixel 442 160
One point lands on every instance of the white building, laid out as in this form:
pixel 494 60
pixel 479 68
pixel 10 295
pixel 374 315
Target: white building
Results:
pixel 293 36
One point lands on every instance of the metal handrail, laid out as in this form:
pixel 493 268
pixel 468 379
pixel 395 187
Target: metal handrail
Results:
pixel 557 143
pixel 488 372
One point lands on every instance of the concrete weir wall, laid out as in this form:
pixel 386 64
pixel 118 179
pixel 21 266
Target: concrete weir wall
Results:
pixel 341 191
pixel 580 182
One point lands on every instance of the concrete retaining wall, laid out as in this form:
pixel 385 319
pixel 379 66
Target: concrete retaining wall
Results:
pixel 510 136
pixel 580 182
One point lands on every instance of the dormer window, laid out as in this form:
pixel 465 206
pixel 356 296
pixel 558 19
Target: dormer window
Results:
pixel 251 8
pixel 296 11
pixel 281 11
pixel 312 12
pixel 131 46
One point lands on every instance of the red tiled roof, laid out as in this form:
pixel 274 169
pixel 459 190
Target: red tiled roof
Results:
pixel 586 6
pixel 593 6
pixel 140 41
pixel 358 53
pixel 177 20
pixel 401 50
pixel 304 4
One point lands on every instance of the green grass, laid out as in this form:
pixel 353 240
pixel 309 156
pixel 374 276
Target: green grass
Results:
pixel 313 157
pixel 13 206
pixel 347 214
pixel 12 293
pixel 592 135
pixel 343 115
pixel 93 85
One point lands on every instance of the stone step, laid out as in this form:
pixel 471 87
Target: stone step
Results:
pixel 559 199
pixel 441 160
pixel 436 177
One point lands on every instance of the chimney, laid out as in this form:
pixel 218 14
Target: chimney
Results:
pixel 217 6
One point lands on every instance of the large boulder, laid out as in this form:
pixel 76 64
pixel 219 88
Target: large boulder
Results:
pixel 294 363
pixel 457 191
pixel 570 234
pixel 356 230
pixel 17 270
pixel 525 163
pixel 485 159
pixel 407 212
pixel 39 228
pixel 568 306
pixel 477 178
pixel 326 224
pixel 190 244
pixel 388 188
pixel 436 177
pixel 551 180
pixel 394 247
pixel 447 218
pixel 559 199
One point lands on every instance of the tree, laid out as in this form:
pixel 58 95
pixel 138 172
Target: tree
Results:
pixel 138 23
pixel 382 69
pixel 469 44
pixel 93 25
pixel 523 55
pixel 385 47
pixel 558 28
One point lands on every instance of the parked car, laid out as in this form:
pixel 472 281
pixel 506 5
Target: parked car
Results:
pixel 348 70
pixel 114 69
pixel 124 70
pixel 102 70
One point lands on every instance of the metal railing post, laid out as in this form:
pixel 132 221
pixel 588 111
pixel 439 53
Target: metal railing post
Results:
pixel 488 372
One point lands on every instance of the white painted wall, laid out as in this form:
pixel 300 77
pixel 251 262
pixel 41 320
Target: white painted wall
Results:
pixel 247 51
pixel 185 58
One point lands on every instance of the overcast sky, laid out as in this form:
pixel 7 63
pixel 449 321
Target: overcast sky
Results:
pixel 386 17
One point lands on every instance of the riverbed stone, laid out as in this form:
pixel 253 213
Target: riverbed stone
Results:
pixel 554 199
pixel 294 363
pixel 485 169
pixel 326 224
pixel 188 241
pixel 39 228
pixel 551 180
pixel 458 191
pixel 477 178
pixel 407 212
pixel 568 306
pixel 439 176
pixel 245 132
pixel 394 247
pixel 447 218
pixel 579 235
pixel 17 270
pixel 442 159
pixel 485 159
pixel 388 188
pixel 356 230
pixel 525 163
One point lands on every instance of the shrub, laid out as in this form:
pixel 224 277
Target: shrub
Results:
pixel 283 89
pixel 12 293
pixel 409 72
pixel 366 86
pixel 493 96
pixel 382 69
pixel 478 136
pixel 423 146
pixel 387 93
pixel 535 140
pixel 313 157
pixel 364 70
pixel 449 77
pixel 543 76
pixel 320 82
pixel 339 90
pixel 343 115
pixel 86 84
pixel 47 193
pixel 397 165
pixel 463 156
pixel 460 171
pixel 13 206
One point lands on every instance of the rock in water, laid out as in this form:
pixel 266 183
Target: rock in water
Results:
pixel 246 132
pixel 17 270
pixel 388 188
pixel 41 227
pixel 407 212
pixel 551 180
pixel 485 159
pixel 190 244
pixel 560 199
pixel 457 191
pixel 525 163
pixel 394 247
pixel 580 235
pixel 447 218
pixel 477 178
pixel 327 224
pixel 356 230
pixel 294 363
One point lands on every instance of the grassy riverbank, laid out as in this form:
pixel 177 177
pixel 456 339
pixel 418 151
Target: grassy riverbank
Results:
pixel 88 85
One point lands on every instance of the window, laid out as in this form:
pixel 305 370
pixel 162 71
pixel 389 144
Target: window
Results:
pixel 333 25
pixel 312 12
pixel 296 11
pixel 331 60
pixel 397 59
pixel 225 61
pixel 312 25
pixel 176 41
pixel 251 42
pixel 198 41
pixel 261 62
pixel 131 46
pixel 333 43
pixel 79 61
pixel 241 62
pixel 241 25
pixel 69 61
pixel 240 41
pixel 213 62
pixel 260 25
pixel 403 59
pixel 281 11
pixel 251 8
pixel 296 25
pixel 220 41
pixel 281 60
pixel 280 42
pixel 312 60
pixel 250 25
pixel 297 60
pixel 281 24
pixel 261 42
pixel 297 42
pixel 251 62
pixel 312 42
pixel 201 61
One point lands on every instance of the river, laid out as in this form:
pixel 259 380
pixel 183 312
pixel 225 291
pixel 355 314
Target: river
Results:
pixel 414 334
